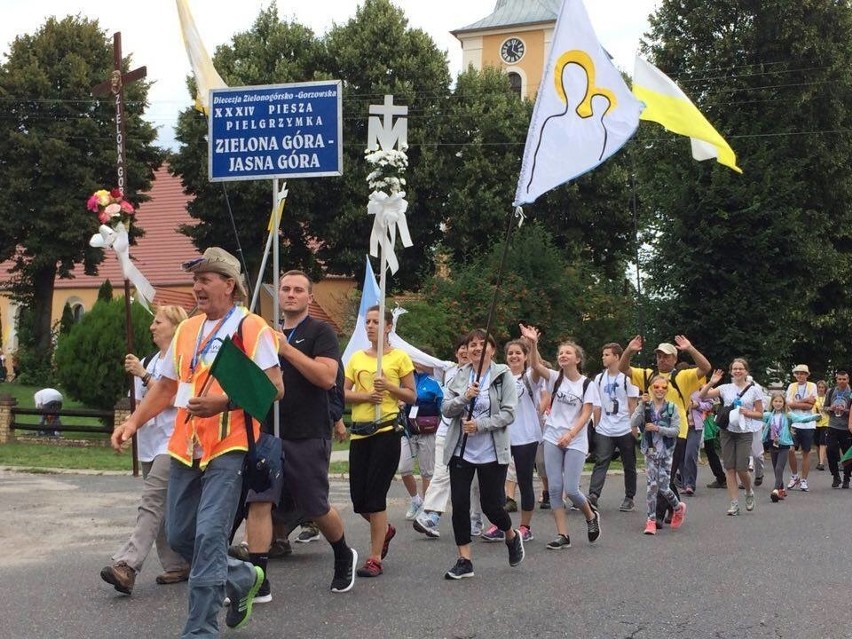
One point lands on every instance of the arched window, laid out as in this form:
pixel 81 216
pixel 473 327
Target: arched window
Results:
pixel 515 82
pixel 78 312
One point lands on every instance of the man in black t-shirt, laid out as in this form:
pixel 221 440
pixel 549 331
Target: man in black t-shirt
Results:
pixel 309 356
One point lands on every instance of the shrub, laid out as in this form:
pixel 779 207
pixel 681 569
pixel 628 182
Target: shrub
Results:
pixel 89 360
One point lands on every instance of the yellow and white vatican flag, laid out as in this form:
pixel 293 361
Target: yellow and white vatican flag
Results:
pixel 584 111
pixel 667 104
pixel 206 76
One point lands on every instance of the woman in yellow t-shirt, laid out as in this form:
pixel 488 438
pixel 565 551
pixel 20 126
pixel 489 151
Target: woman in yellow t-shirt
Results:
pixel 821 425
pixel 374 449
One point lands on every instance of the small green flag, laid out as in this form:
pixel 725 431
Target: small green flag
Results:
pixel 245 383
pixel 847 456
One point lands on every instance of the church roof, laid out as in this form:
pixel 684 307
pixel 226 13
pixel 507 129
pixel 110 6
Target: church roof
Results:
pixel 513 13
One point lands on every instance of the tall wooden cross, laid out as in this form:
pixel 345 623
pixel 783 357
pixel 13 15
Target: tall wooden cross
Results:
pixel 115 86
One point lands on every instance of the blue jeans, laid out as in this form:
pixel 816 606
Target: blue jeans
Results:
pixel 201 510
pixel 689 470
pixel 604 448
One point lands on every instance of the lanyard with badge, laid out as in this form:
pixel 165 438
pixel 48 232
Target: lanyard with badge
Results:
pixel 202 345
pixel 294 329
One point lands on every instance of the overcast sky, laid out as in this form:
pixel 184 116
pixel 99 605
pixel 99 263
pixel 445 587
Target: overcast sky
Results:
pixel 151 33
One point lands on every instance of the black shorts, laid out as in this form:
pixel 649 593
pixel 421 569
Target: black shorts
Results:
pixel 803 439
pixel 306 474
pixel 373 462
pixel 819 436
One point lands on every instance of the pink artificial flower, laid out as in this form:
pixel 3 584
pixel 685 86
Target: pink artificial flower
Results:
pixel 92 204
pixel 113 210
pixel 115 193
pixel 127 207
pixel 103 217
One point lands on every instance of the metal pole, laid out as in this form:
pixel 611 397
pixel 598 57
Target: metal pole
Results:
pixel 276 276
pixel 380 346
pixel 128 338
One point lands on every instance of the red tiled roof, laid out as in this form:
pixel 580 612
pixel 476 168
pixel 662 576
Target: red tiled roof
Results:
pixel 316 311
pixel 163 249
pixel 178 298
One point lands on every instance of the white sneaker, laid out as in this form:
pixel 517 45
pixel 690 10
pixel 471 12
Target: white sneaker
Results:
pixel 794 481
pixel 413 509
pixel 803 485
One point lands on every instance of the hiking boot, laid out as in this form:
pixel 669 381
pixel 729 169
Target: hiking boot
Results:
pixel 679 515
pixel 511 505
pixel 560 543
pixel 344 573
pixel 121 576
pixel 835 483
pixel 493 534
pixel 239 607
pixel 280 548
pixel 264 593
pixel 594 528
pixel 750 501
pixel 390 534
pixel 371 568
pixel 544 504
pixel 734 508
pixel 309 533
pixel 526 533
pixel 718 484
pixel 627 505
pixel 427 523
pixel 650 527
pixel 775 496
pixel 462 569
pixel 794 481
pixel 516 549
pixel 173 576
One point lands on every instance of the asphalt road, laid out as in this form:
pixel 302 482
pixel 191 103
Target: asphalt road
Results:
pixel 779 572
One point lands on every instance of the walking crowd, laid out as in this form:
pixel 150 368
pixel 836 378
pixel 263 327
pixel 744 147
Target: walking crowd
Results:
pixel 479 437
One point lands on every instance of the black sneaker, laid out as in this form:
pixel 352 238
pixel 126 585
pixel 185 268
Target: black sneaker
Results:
pixel 544 504
pixel 239 607
pixel 264 594
pixel 560 543
pixel 511 505
pixel 344 573
pixel 462 569
pixel 627 505
pixel 594 528
pixel 845 484
pixel 758 481
pixel 516 549
pixel 835 483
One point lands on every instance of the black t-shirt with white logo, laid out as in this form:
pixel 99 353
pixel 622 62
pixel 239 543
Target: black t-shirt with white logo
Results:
pixel 304 408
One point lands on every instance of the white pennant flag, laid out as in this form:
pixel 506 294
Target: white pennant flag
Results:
pixel 584 111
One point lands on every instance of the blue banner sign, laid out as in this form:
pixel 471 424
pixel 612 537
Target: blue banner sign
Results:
pixel 276 131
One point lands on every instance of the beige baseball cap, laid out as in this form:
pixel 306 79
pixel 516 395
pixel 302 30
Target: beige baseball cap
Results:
pixel 668 349
pixel 802 368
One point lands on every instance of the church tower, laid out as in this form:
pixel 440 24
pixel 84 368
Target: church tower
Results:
pixel 516 37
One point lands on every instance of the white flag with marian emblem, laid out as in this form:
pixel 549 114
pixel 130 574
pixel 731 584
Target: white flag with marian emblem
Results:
pixel 584 111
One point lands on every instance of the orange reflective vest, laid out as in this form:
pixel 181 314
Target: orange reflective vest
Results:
pixel 226 431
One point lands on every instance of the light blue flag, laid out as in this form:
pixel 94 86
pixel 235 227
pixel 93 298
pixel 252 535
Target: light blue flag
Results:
pixel 369 297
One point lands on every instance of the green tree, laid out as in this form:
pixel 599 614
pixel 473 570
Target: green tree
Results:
pixel 755 264
pixel 57 147
pixel 66 322
pixel 375 53
pixel 105 291
pixel 90 359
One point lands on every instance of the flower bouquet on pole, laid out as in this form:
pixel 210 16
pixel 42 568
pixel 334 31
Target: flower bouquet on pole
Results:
pixel 115 215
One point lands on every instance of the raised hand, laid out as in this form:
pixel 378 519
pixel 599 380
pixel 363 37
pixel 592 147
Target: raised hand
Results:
pixel 529 332
pixel 717 376
pixel 682 343
pixel 635 345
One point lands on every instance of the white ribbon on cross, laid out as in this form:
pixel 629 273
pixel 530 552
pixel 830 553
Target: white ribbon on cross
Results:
pixel 118 240
pixel 390 216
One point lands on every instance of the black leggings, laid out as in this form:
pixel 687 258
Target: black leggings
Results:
pixel 524 456
pixel 714 461
pixel 492 495
pixel 838 442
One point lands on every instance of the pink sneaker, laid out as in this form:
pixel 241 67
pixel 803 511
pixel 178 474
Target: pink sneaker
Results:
pixel 651 527
pixel 679 515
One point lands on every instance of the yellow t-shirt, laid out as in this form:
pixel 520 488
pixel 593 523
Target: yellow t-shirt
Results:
pixel 361 370
pixel 688 381
pixel 818 408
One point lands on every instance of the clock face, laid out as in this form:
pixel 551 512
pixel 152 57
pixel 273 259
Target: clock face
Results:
pixel 512 50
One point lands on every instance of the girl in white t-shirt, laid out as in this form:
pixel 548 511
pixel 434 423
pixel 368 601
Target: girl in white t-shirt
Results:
pixel 566 442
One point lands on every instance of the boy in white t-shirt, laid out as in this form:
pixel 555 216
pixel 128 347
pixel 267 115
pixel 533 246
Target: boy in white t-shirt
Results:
pixel 616 400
